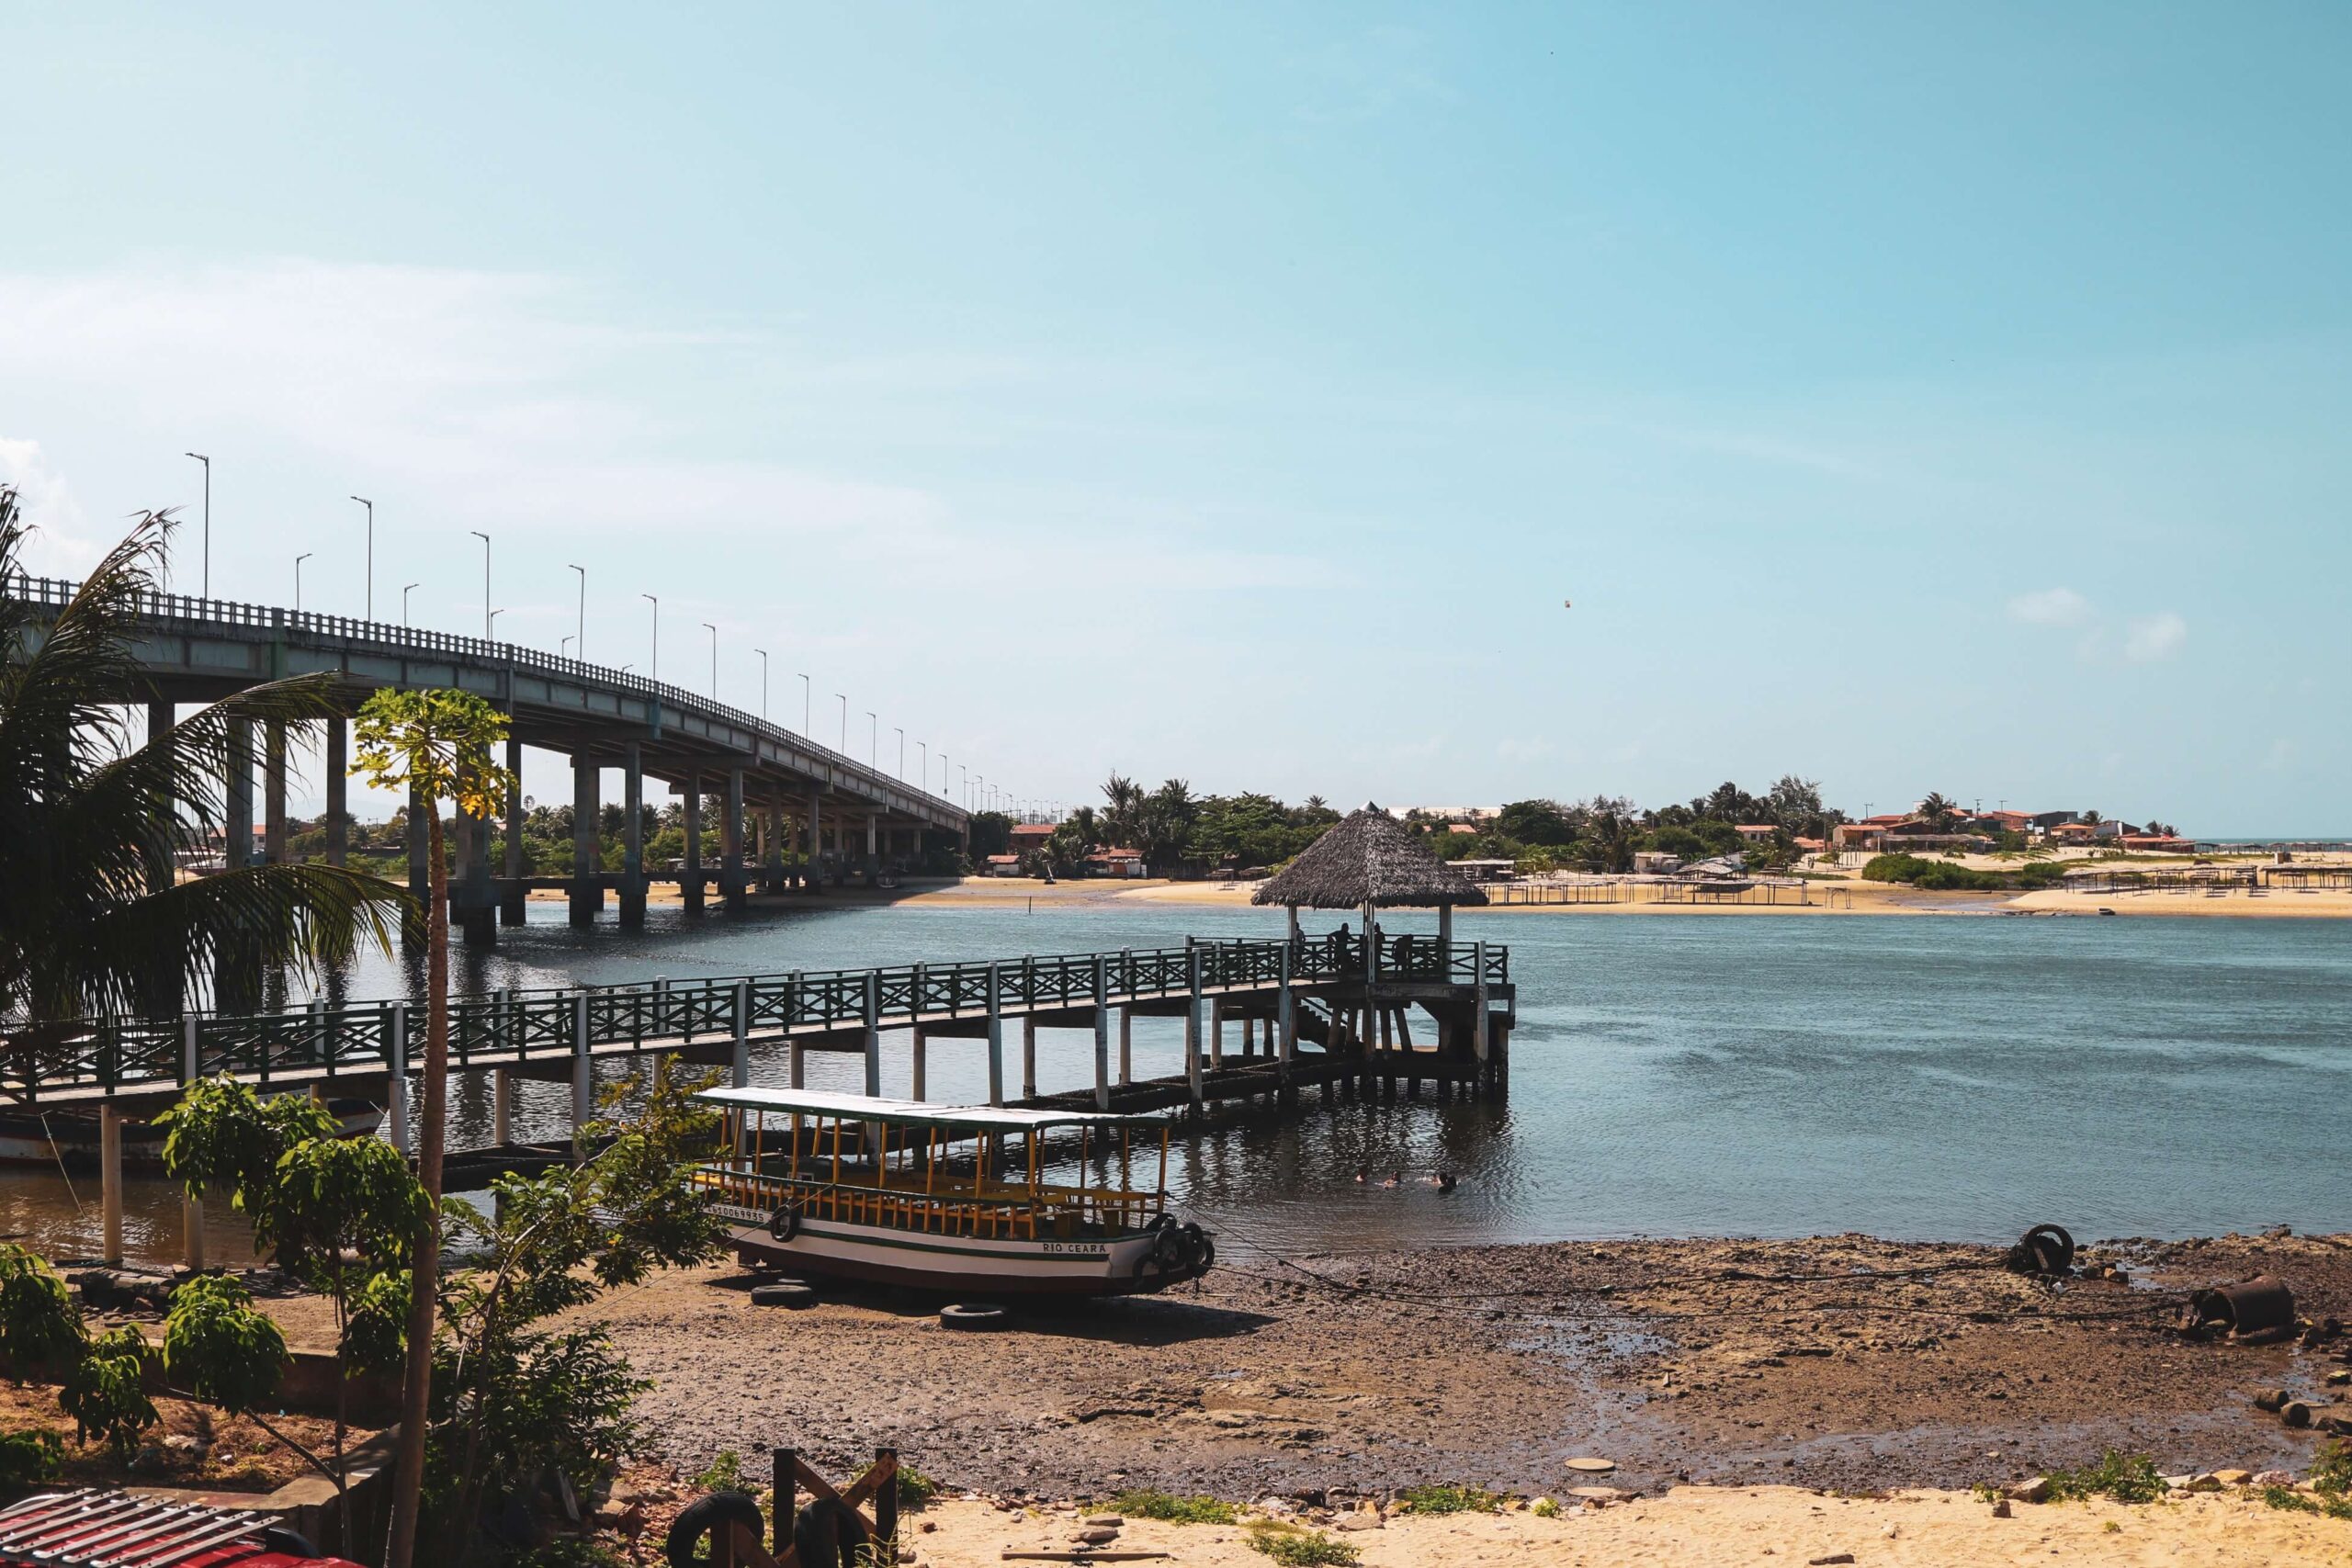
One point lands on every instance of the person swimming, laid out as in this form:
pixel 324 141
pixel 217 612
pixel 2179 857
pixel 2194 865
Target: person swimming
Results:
pixel 1363 1174
pixel 1445 1181
pixel 1396 1180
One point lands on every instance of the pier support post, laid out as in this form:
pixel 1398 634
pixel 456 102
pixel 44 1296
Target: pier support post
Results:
pixel 731 843
pixel 515 897
pixel 1216 1032
pixel 110 1180
pixel 502 1106
pixel 1286 1020
pixel 1102 1033
pixel 921 1045
pixel 690 886
pixel 396 1076
pixel 1193 1025
pixel 1478 1019
pixel 795 1053
pixel 339 789
pixel 272 791
pixel 1028 1057
pixel 584 1079
pixel 1127 1046
pixel 739 1069
pixel 996 1035
pixel 587 886
pixel 873 1034
pixel 192 1233
pixel 632 835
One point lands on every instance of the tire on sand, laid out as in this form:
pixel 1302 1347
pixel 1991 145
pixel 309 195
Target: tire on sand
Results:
pixel 972 1316
pixel 692 1541
pixel 784 1294
pixel 828 1535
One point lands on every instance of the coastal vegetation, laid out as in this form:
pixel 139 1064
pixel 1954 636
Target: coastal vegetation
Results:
pixel 1942 876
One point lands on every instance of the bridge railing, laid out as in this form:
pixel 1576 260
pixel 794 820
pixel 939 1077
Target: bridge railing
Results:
pixel 508 1026
pixel 189 613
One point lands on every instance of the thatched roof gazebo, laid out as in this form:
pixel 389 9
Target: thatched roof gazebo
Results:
pixel 1370 860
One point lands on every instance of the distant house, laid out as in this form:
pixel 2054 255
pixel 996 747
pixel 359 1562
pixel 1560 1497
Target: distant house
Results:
pixel 1115 863
pixel 1031 835
pixel 1486 870
pixel 1004 865
pixel 1655 862
pixel 1757 832
pixel 2157 843
pixel 1463 828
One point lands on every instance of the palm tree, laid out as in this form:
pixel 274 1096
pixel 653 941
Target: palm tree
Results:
pixel 438 746
pixel 1938 812
pixel 94 925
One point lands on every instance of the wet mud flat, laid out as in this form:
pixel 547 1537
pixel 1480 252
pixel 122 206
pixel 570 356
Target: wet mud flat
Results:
pixel 1842 1362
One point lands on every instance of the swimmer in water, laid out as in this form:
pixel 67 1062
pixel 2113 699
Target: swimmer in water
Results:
pixel 1445 1181
pixel 1396 1180
pixel 1363 1174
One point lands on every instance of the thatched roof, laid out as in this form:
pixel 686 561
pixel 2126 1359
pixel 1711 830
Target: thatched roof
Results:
pixel 1369 858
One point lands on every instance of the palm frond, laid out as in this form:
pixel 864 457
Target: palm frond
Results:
pixel 312 917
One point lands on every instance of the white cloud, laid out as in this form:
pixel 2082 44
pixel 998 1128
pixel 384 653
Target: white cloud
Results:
pixel 2051 607
pixel 2152 638
pixel 60 546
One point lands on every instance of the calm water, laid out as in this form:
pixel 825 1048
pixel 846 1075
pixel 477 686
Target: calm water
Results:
pixel 1919 1078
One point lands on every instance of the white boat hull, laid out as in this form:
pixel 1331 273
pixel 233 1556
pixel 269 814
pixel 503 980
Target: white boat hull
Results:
pixel 977 1265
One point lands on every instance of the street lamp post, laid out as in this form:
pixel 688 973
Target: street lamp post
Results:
pixel 923 763
pixel 405 587
pixel 655 673
pixel 844 723
pixel 581 635
pixel 563 649
pixel 872 743
pixel 713 659
pixel 298 580
pixel 208 521
pixel 370 613
pixel 763 683
pixel 485 580
pixel 805 690
pixel 902 755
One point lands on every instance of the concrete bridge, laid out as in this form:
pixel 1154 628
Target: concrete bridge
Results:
pixel 779 790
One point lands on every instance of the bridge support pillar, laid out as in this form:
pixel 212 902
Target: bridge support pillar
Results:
pixel 273 793
pixel 633 835
pixel 731 843
pixel 514 898
pixel 237 846
pixel 475 899
pixel 160 720
pixel 690 886
pixel 339 789
pixel 771 847
pixel 873 850
pixel 110 1180
pixel 587 885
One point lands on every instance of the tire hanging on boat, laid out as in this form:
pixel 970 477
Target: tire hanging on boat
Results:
pixel 784 1224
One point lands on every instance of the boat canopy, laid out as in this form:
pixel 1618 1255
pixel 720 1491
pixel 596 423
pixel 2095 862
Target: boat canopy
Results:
pixel 973 1119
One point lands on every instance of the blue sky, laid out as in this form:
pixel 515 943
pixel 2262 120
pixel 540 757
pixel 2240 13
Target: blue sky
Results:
pixel 1910 398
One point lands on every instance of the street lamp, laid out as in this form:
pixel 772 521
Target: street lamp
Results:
pixel 902 755
pixel 405 587
pixel 873 744
pixel 563 649
pixel 580 637
pixel 491 631
pixel 713 659
pixel 298 580
pixel 656 672
pixel 805 690
pixel 371 554
pixel 844 723
pixel 207 520
pixel 923 763
pixel 763 683
pixel 485 580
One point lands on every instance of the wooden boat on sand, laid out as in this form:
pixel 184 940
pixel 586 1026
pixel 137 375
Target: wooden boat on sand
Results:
pixel 944 1197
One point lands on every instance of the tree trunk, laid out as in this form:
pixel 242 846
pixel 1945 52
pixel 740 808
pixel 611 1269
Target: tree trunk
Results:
pixel 416 1388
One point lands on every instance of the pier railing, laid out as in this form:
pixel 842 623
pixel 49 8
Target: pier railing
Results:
pixel 504 1027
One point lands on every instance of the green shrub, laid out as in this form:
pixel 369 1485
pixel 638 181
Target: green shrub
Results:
pixel 103 1392
pixel 1303 1549
pixel 40 1325
pixel 27 1458
pixel 1545 1508
pixel 725 1473
pixel 2127 1478
pixel 2286 1497
pixel 1174 1509
pixel 2332 1470
pixel 1450 1500
pixel 915 1489
pixel 571 1552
